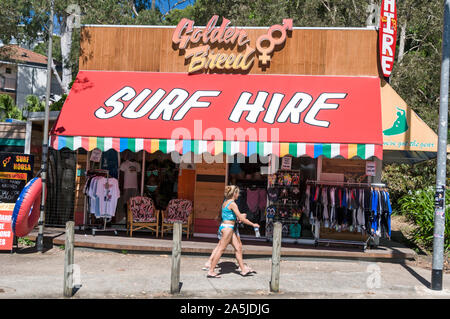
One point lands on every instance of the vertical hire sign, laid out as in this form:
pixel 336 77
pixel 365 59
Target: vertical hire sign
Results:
pixel 388 35
pixel 6 234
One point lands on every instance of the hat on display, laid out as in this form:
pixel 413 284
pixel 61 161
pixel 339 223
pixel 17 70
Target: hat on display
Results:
pixel 271 211
pixel 272 193
pixel 272 180
pixel 295 179
pixel 287 179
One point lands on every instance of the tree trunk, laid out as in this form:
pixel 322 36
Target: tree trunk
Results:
pixel 66 46
pixel 401 48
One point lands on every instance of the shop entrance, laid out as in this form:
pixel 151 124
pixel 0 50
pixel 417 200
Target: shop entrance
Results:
pixel 279 196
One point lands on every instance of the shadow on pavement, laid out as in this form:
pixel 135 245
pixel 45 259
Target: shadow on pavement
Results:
pixel 422 280
pixel 227 267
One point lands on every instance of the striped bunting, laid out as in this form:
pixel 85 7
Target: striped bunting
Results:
pixel 314 150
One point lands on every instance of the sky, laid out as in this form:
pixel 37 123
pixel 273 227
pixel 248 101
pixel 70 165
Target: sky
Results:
pixel 164 4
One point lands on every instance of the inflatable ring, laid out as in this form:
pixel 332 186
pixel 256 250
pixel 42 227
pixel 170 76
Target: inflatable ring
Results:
pixel 27 209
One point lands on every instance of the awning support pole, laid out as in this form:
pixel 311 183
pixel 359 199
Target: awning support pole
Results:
pixel 40 237
pixel 143 173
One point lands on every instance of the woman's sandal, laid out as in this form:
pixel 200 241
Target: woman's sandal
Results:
pixel 247 274
pixel 207 268
pixel 215 276
pixel 250 270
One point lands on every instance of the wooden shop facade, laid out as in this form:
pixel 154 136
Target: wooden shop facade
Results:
pixel 300 119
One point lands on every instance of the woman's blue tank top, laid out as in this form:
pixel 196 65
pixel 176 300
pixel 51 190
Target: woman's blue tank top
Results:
pixel 228 214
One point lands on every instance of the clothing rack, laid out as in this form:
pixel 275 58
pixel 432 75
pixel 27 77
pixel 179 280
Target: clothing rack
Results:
pixel 104 173
pixel 351 184
pixel 364 244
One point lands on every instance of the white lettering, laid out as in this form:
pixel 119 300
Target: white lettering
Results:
pixel 253 110
pixel 386 64
pixel 126 94
pixel 173 100
pixel 388 40
pixel 5 234
pixel 194 102
pixel 388 29
pixel 6 218
pixel 291 110
pixel 131 113
pixel 389 5
pixel 321 104
pixel 273 108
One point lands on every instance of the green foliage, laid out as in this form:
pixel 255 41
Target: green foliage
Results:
pixel 402 178
pixel 34 104
pixel 25 242
pixel 418 206
pixel 8 109
pixel 416 79
pixel 42 48
pixel 57 106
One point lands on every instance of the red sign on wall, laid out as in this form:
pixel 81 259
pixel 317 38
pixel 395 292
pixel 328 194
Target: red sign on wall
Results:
pixel 388 35
pixel 6 233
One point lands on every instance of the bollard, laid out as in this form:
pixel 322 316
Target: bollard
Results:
pixel 176 258
pixel 68 259
pixel 276 253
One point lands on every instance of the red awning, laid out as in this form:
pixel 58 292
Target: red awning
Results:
pixel 138 110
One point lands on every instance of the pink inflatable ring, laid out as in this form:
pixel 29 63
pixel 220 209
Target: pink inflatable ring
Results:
pixel 27 209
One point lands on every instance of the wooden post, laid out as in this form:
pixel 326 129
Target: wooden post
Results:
pixel 68 259
pixel 276 254
pixel 176 258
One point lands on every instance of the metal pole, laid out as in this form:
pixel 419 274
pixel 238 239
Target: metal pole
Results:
pixel 439 212
pixel 40 237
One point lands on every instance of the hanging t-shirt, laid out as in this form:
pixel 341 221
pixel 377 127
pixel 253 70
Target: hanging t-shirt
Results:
pixel 130 169
pixel 95 201
pixel 110 162
pixel 108 192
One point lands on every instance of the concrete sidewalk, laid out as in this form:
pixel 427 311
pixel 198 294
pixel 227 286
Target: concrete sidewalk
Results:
pixel 103 274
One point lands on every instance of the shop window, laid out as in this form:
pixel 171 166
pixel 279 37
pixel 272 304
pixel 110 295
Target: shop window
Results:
pixel 276 197
pixel 61 187
pixel 161 177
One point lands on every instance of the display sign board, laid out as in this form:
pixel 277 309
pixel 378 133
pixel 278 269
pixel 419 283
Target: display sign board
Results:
pixel 371 168
pixel 96 155
pixel 16 170
pixel 207 57
pixel 223 107
pixel 388 35
pixel 6 234
pixel 286 162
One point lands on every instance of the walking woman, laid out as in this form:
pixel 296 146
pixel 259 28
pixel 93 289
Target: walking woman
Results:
pixel 230 215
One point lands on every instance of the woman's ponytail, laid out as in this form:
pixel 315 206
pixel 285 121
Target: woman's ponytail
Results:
pixel 230 190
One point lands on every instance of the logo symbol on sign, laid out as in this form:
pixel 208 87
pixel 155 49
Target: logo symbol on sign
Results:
pixel 6 161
